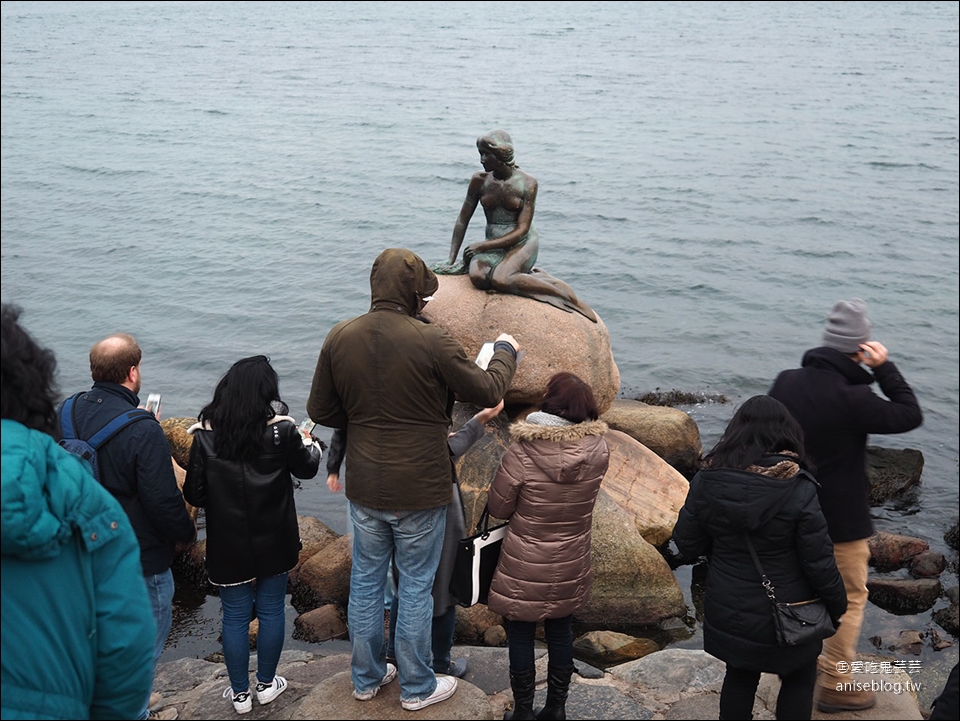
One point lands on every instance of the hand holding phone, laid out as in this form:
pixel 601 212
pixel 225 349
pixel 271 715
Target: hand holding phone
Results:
pixel 153 404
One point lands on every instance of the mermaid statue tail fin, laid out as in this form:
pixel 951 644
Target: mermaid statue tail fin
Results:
pixel 564 298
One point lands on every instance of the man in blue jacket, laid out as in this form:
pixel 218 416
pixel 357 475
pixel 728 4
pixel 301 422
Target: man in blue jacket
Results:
pixel 830 397
pixel 136 467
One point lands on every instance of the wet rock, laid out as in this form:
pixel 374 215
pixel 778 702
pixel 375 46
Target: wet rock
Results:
pixel 892 471
pixel 608 647
pixel 320 624
pixel 324 577
pixel 937 642
pixel 952 536
pixel 927 564
pixel 890 551
pixel 190 567
pixel 953 593
pixel 909 642
pixel 904 596
pixel 670 433
pixel 948 619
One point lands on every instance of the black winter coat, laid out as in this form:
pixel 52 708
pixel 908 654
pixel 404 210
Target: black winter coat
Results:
pixel 831 399
pixel 136 467
pixel 252 529
pixel 789 533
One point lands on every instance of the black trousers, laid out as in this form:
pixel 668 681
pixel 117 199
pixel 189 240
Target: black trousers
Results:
pixel 794 702
pixel 558 633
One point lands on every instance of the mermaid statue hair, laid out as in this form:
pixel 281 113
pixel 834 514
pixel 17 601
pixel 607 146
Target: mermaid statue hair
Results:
pixel 500 143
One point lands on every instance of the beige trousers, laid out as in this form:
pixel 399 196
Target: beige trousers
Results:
pixel 840 650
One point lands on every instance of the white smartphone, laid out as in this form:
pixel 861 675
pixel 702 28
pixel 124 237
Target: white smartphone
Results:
pixel 153 404
pixel 484 356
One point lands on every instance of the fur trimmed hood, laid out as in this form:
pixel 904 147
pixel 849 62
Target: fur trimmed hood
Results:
pixel 205 426
pixel 524 431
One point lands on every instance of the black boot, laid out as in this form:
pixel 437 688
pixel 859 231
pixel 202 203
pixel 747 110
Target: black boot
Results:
pixel 523 685
pixel 558 683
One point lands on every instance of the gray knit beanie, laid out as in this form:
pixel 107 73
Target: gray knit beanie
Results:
pixel 847 326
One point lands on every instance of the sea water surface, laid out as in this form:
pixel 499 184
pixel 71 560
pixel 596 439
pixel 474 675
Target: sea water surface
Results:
pixel 217 178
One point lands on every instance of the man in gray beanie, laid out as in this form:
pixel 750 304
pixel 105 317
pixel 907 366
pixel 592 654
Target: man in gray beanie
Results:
pixel 830 397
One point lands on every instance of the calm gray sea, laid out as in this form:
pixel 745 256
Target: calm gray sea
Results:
pixel 217 178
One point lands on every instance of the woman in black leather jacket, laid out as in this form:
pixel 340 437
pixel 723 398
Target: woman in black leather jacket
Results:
pixel 751 483
pixel 243 455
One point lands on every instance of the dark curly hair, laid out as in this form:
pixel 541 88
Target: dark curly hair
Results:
pixel 29 393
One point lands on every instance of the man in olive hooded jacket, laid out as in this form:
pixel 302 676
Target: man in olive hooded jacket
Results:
pixel 390 379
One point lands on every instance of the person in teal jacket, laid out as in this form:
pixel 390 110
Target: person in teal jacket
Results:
pixel 77 629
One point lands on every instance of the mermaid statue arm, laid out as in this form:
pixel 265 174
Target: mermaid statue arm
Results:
pixel 452 266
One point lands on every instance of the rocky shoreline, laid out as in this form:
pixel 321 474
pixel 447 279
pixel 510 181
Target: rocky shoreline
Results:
pixel 668 684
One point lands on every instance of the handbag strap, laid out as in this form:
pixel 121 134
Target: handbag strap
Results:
pixel 764 581
pixel 484 522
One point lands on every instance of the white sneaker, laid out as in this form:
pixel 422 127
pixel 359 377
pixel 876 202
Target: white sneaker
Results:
pixel 266 692
pixel 242 703
pixel 446 687
pixel 387 678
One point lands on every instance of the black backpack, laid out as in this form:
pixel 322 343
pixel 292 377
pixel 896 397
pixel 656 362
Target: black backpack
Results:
pixel 87 448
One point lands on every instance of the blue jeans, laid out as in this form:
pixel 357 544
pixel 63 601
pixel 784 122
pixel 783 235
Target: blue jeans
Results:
pixel 443 627
pixel 237 603
pixel 416 538
pixel 160 591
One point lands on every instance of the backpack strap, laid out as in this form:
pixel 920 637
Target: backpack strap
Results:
pixel 66 418
pixel 117 424
pixel 109 429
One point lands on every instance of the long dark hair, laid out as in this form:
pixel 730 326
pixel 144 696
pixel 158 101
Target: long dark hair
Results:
pixel 569 397
pixel 27 373
pixel 245 398
pixel 762 426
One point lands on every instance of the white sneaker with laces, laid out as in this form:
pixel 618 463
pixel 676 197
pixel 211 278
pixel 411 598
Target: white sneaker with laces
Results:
pixel 242 703
pixel 387 678
pixel 446 687
pixel 266 692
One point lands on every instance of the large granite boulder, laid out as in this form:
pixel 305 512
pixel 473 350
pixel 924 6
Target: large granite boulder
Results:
pixel 552 340
pixel 670 433
pixel 632 583
pixel 647 488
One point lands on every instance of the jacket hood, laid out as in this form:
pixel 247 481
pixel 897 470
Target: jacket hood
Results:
pixel 399 279
pixel 830 359
pixel 47 495
pixel 562 452
pixel 735 500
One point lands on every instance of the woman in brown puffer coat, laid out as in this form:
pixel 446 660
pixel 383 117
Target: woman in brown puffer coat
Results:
pixel 546 487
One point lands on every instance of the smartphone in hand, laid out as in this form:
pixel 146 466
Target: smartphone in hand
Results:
pixel 153 404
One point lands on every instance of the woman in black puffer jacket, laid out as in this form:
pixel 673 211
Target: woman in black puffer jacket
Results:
pixel 244 454
pixel 751 483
